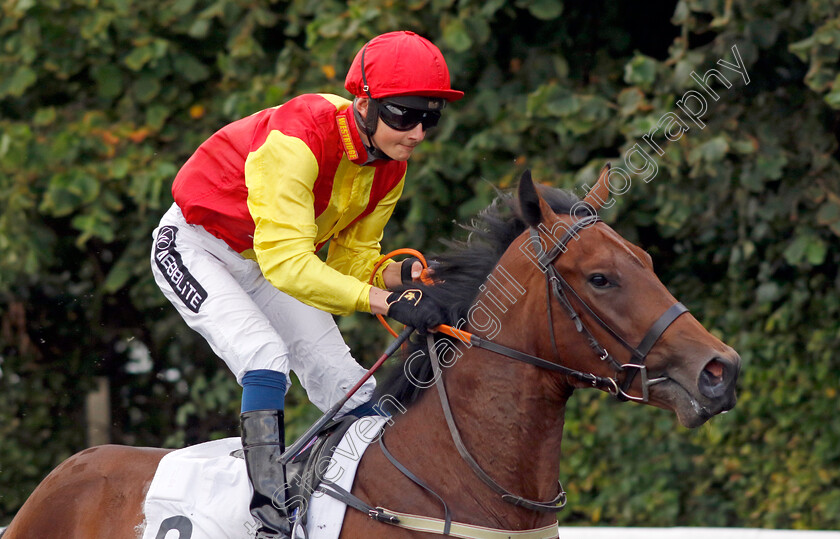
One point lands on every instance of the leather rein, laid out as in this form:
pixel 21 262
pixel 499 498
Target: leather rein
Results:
pixel 560 289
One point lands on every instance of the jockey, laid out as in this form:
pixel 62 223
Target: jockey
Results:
pixel 236 252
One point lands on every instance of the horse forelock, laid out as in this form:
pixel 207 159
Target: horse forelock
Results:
pixel 462 268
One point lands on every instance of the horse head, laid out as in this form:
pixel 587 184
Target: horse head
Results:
pixel 612 317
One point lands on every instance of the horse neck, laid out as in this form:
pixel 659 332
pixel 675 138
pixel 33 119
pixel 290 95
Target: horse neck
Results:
pixel 516 412
pixel 510 416
pixel 519 407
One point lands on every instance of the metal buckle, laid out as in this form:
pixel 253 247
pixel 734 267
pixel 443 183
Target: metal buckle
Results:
pixel 379 514
pixel 556 286
pixel 296 527
pixel 646 383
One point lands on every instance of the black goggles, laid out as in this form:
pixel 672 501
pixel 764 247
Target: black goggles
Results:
pixel 404 118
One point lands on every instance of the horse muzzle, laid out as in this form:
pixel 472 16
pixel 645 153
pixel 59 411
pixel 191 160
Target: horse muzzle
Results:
pixel 697 399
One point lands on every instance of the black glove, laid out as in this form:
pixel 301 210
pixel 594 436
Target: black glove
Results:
pixel 426 275
pixel 413 309
pixel 405 270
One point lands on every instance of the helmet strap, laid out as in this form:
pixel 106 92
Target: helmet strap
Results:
pixel 365 86
pixel 371 120
pixel 368 130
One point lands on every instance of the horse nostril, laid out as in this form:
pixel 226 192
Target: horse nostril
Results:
pixel 713 383
pixel 715 368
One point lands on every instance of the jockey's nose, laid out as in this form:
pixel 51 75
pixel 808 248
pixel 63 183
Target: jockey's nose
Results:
pixel 417 132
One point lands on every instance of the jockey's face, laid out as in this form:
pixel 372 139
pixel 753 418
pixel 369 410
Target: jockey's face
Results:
pixel 398 145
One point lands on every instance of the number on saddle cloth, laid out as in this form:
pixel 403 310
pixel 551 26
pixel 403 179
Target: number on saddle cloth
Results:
pixel 179 523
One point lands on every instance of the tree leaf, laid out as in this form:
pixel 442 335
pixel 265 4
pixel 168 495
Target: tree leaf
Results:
pixel 816 251
pixel 829 212
pixel 455 35
pixel 139 57
pixel 640 70
pixel 146 88
pixel 190 68
pixel 21 80
pixel 108 79
pixel 806 247
pixel 544 9
pixel 710 151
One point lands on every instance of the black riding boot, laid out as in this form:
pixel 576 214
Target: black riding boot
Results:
pixel 262 442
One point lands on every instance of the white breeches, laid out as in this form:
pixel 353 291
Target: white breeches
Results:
pixel 248 323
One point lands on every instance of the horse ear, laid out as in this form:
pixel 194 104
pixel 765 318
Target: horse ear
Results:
pixel 600 192
pixel 529 200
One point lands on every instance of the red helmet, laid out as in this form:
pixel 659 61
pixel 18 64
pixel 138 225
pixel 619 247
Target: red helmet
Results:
pixel 400 64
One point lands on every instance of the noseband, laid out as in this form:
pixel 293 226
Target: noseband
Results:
pixel 561 289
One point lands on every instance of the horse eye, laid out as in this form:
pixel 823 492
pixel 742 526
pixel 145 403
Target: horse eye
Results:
pixel 598 280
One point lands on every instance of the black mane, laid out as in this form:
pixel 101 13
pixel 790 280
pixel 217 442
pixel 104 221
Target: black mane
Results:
pixel 462 268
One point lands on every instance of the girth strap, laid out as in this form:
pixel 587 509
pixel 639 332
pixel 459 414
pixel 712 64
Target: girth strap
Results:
pixel 433 525
pixel 471 531
pixel 419 482
pixel 344 496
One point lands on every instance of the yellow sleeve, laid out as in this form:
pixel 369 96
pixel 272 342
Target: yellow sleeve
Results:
pixel 355 250
pixel 280 176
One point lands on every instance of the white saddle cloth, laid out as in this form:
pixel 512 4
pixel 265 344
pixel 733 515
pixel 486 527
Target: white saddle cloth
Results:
pixel 202 492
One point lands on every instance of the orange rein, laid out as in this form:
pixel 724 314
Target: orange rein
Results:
pixel 461 335
pixel 392 254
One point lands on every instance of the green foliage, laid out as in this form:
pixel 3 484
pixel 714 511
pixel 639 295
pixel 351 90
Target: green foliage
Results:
pixel 101 102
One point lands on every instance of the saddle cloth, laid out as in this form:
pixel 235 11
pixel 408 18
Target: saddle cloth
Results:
pixel 203 492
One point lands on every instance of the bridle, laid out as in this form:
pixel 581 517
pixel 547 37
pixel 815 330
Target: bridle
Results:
pixel 560 289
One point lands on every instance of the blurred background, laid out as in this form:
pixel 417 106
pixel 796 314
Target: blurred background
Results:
pixel 101 102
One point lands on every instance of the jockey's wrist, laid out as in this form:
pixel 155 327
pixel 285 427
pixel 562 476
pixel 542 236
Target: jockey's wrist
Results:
pixel 391 276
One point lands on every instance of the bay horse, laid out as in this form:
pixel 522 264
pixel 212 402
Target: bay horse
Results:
pixel 551 300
